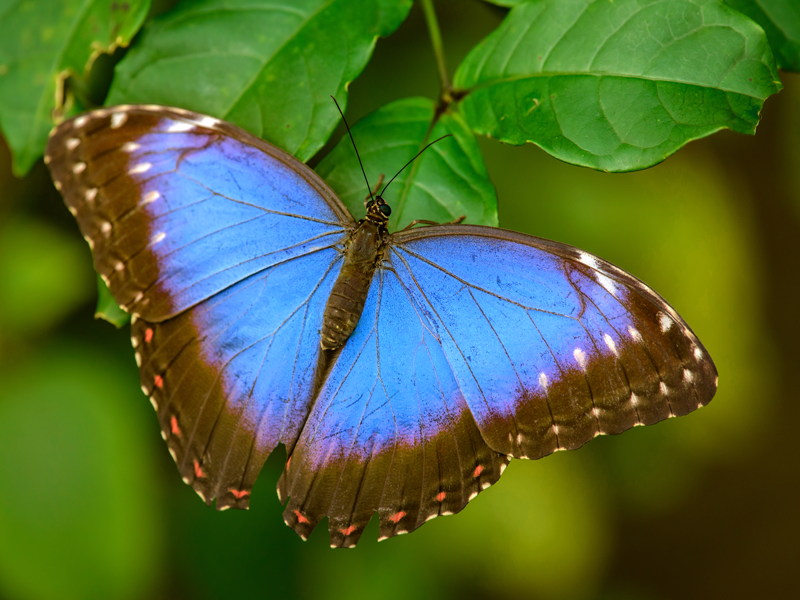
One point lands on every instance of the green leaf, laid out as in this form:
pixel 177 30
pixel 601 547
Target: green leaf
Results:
pixel 448 180
pixel 621 85
pixel 781 21
pixel 41 44
pixel 262 64
pixel 107 308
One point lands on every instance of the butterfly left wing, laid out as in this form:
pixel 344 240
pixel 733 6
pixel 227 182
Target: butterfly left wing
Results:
pixel 390 431
pixel 224 249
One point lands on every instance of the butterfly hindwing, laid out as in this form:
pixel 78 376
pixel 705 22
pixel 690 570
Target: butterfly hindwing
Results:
pixel 550 345
pixel 389 433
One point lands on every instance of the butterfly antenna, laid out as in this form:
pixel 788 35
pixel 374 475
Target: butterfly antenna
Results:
pixel 369 188
pixel 412 160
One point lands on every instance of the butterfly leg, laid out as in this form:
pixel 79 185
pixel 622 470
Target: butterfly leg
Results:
pixel 426 222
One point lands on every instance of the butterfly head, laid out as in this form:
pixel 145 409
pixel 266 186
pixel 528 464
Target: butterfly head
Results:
pixel 378 211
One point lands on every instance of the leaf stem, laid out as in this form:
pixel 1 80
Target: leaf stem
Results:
pixel 438 48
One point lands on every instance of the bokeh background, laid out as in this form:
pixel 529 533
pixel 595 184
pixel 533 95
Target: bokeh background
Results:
pixel 705 506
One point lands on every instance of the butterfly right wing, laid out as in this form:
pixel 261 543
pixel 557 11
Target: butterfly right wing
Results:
pixel 224 249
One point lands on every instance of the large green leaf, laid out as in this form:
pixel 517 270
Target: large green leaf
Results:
pixel 265 65
pixel 620 85
pixel 447 181
pixel 43 42
pixel 781 21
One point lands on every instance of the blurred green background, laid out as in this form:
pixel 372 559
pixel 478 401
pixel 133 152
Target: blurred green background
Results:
pixel 91 504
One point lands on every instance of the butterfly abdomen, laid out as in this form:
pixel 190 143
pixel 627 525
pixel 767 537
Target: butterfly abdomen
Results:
pixel 349 293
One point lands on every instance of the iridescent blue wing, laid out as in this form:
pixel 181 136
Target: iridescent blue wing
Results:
pixel 477 345
pixel 550 345
pixel 224 249
pixel 390 431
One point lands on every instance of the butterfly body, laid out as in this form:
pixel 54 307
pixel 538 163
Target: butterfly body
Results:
pixel 451 348
pixel 349 293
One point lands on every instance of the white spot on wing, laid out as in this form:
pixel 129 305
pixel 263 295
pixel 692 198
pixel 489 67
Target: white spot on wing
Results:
pixel 485 485
pixel 138 358
pixel 635 335
pixel 179 127
pixel 688 376
pixel 72 143
pixel 118 119
pixel 140 168
pixel 634 399
pixel 79 168
pixel 158 237
pixel 431 517
pixel 57 184
pixel 209 122
pixel 502 468
pixel 665 322
pixel 608 284
pixel 105 227
pixel 588 260
pixel 663 387
pixel 698 354
pixel 80 121
pixel 610 343
pixel 47 159
pixel 130 146
pixel 543 380
pixel 472 496
pixel 580 356
pixel 151 196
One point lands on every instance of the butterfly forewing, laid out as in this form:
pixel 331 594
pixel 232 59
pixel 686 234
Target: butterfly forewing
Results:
pixel 551 346
pixel 178 206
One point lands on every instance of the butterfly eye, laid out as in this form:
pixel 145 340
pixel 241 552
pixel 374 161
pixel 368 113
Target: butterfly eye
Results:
pixel 386 210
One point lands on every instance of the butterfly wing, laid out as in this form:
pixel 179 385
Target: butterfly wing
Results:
pixel 477 345
pixel 390 431
pixel 550 345
pixel 224 249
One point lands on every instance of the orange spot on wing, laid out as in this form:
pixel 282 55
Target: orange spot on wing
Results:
pixel 478 471
pixel 349 530
pixel 395 518
pixel 173 421
pixel 301 518
pixel 239 494
pixel 441 496
pixel 148 335
pixel 159 381
pixel 288 462
pixel 197 470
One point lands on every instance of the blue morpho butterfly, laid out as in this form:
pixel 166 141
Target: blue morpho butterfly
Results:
pixel 244 275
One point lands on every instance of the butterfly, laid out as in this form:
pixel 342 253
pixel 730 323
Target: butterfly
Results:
pixel 402 371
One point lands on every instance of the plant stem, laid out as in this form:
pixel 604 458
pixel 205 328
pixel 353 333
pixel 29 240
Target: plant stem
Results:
pixel 438 48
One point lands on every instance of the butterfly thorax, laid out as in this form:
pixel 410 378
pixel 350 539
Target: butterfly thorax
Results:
pixel 349 293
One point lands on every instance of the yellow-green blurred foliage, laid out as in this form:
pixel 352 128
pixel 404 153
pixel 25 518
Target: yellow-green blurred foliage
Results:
pixel 704 506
